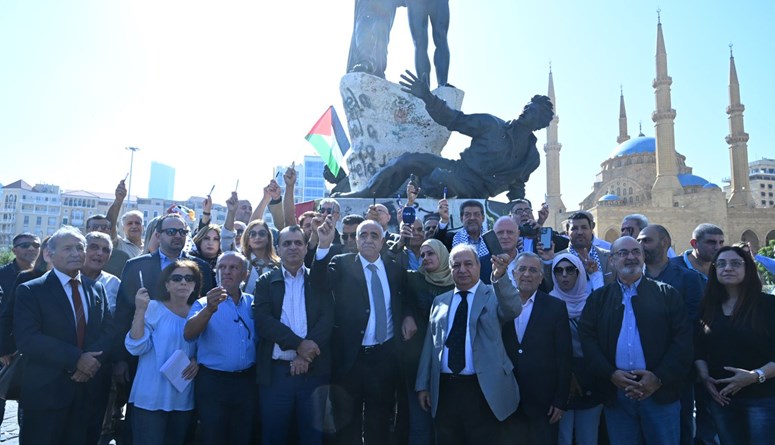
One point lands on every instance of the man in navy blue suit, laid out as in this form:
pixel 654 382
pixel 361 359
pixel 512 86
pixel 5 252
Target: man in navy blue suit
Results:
pixel 64 329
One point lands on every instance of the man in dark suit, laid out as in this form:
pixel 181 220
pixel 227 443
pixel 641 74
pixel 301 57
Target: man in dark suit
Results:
pixel 539 344
pixel 144 271
pixel 465 377
pixel 294 322
pixel 372 316
pixel 63 328
pixel 637 343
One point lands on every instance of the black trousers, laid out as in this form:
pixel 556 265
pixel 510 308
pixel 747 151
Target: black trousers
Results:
pixel 463 415
pixel 363 398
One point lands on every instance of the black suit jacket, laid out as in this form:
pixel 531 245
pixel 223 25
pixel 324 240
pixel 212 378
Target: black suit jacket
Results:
pixel 268 306
pixel 150 265
pixel 665 335
pixel 542 359
pixel 44 328
pixel 346 281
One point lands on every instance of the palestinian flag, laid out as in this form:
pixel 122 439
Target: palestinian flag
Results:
pixel 330 140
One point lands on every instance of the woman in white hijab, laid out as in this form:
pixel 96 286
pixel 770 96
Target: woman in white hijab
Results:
pixel 583 415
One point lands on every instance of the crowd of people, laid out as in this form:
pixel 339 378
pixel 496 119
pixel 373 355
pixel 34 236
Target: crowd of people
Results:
pixel 326 328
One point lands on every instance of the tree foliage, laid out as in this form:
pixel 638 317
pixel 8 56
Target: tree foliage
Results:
pixel 768 250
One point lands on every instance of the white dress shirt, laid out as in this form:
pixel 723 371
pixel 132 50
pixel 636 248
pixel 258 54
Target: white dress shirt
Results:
pixel 294 311
pixel 370 335
pixel 469 369
pixel 520 323
pixel 65 280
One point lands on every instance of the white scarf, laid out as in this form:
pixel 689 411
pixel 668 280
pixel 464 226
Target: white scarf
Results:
pixel 576 298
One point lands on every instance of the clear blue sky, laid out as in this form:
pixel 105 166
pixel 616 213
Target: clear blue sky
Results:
pixel 228 90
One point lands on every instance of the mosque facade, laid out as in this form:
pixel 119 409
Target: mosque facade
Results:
pixel 647 175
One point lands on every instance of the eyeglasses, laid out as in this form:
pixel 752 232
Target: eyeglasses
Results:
pixel 518 211
pixel 260 233
pixel 173 232
pixel 629 230
pixel 734 264
pixel 93 227
pixel 327 210
pixel 177 278
pixel 624 253
pixel 524 269
pixel 289 243
pixel 240 232
pixel 27 245
pixel 570 270
pixel 346 236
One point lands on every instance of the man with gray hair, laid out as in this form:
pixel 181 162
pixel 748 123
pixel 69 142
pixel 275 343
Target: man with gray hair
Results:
pixel 131 223
pixel 221 324
pixel 632 224
pixel 98 251
pixel 63 327
pixel 464 377
pixel 538 343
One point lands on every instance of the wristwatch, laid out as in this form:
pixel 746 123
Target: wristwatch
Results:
pixel 760 373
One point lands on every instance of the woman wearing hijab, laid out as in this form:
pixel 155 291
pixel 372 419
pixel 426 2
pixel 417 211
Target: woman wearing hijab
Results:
pixel 583 415
pixel 433 278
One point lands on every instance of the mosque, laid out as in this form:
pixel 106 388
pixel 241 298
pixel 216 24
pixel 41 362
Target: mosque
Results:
pixel 647 175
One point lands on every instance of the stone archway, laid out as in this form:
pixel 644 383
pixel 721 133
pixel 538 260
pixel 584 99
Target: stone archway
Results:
pixel 770 237
pixel 750 237
pixel 612 235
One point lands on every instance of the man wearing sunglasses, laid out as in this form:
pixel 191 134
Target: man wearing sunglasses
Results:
pixel 326 207
pixel 144 271
pixel 26 248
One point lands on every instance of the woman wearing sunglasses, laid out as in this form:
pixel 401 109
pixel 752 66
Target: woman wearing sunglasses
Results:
pixel 162 413
pixel 735 349
pixel 258 248
pixel 583 415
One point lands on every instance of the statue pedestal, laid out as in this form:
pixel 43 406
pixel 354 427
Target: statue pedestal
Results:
pixel 384 122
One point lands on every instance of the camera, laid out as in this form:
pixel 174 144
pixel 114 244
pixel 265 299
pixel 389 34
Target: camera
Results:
pixel 527 230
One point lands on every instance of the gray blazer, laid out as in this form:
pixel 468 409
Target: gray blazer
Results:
pixel 489 311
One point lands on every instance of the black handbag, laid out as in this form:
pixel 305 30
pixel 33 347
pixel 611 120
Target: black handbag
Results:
pixel 11 378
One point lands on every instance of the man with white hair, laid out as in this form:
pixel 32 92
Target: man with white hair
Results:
pixel 131 222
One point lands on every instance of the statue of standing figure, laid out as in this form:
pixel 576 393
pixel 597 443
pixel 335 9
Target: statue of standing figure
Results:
pixel 420 13
pixel 372 23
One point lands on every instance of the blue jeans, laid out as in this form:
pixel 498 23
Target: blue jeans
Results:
pixel 160 427
pixel 303 397
pixel 420 421
pixel 631 422
pixel 581 422
pixel 745 420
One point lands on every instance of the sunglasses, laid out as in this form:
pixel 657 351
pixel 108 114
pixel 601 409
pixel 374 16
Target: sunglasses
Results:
pixel 27 245
pixel 261 233
pixel 172 232
pixel 177 278
pixel 570 270
pixel 346 236
pixel 328 210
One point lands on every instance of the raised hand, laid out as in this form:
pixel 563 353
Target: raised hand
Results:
pixel 326 233
pixel 413 85
pixel 142 299
pixel 290 176
pixel 232 203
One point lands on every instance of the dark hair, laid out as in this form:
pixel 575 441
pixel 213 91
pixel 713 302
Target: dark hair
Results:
pixel 305 215
pixel 471 203
pixel 40 263
pixel 520 200
pixel 700 232
pixel 164 294
pixel 579 215
pixel 24 235
pixel 292 229
pixel 352 220
pixel 160 224
pixel 745 312
pixel 431 217
pixel 662 231
pixel 97 217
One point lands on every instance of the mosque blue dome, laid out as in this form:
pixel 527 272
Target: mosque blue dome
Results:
pixel 688 180
pixel 640 144
pixel 710 185
pixel 608 198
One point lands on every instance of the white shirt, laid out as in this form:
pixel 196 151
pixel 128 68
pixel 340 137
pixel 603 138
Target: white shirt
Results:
pixel 370 335
pixel 294 312
pixel 469 369
pixel 111 284
pixel 520 323
pixel 65 280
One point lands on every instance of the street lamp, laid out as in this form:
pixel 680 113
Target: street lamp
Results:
pixel 131 165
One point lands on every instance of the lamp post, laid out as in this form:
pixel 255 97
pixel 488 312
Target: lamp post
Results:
pixel 131 165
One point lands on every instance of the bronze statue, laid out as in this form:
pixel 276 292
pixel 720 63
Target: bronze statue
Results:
pixel 501 157
pixel 372 22
pixel 437 12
